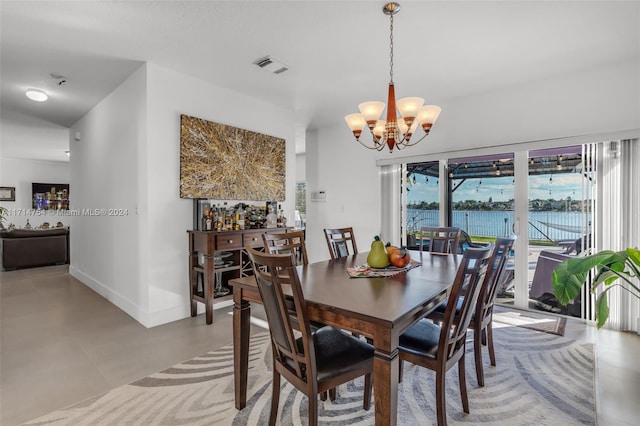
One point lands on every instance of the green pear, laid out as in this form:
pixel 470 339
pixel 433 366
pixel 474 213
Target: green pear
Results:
pixel 378 257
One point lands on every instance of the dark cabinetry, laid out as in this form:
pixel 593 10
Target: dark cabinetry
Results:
pixel 216 257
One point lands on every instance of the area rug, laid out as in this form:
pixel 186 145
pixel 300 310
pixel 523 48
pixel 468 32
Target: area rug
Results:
pixel 540 379
pixel 532 320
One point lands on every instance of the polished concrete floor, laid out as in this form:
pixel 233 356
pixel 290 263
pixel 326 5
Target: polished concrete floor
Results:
pixel 62 343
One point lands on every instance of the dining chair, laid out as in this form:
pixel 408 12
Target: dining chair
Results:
pixel 482 320
pixel 312 362
pixel 443 240
pixel 439 347
pixel 286 243
pixel 290 243
pixel 338 241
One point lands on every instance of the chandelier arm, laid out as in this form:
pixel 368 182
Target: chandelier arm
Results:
pixel 405 144
pixel 377 146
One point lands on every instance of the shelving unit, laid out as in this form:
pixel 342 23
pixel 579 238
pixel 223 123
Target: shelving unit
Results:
pixel 205 245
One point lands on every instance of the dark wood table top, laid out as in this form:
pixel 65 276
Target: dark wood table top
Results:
pixel 386 299
pixel 379 308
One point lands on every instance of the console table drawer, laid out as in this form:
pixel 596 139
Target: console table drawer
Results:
pixel 252 239
pixel 228 241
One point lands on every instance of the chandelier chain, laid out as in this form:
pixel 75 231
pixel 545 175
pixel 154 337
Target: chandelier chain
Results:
pixel 391 48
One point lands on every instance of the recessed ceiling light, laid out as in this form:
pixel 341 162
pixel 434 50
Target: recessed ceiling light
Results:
pixel 37 95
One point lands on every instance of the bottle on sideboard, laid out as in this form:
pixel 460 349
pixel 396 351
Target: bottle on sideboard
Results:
pixel 220 221
pixel 272 219
pixel 279 218
pixel 240 214
pixel 228 218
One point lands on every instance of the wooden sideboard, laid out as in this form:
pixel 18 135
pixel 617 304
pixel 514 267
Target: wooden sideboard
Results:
pixel 206 245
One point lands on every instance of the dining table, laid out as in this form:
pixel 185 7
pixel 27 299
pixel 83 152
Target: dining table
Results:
pixel 380 308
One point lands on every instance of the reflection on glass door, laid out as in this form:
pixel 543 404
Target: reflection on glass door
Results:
pixel 481 197
pixel 560 219
pixel 422 198
pixel 481 201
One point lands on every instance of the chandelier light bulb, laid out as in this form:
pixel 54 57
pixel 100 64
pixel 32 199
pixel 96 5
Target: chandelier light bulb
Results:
pixel 356 123
pixel 371 111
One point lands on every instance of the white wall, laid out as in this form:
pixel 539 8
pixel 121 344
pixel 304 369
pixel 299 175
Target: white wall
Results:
pixel 172 94
pixel 106 170
pixel 352 186
pixel 301 168
pixel 21 173
pixel 592 101
pixel 27 147
pixel 129 158
pixel 29 138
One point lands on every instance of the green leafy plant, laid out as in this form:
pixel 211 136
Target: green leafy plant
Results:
pixel 3 211
pixel 612 269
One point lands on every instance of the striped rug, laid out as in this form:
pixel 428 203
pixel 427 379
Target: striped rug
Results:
pixel 540 379
pixel 553 324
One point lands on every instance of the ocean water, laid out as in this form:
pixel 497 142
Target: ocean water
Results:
pixel 500 223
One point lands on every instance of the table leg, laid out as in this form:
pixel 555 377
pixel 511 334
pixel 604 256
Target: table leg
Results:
pixel 385 387
pixel 241 330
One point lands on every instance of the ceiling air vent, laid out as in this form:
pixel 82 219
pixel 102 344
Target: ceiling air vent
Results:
pixel 271 64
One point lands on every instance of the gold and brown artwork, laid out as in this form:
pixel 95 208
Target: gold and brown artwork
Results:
pixel 227 163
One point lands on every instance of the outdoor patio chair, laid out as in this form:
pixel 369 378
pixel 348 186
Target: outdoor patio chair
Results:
pixel 543 274
pixel 541 290
pixel 465 242
pixel 575 246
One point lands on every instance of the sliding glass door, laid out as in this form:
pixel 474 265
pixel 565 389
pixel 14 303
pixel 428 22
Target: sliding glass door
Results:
pixel 560 219
pixel 478 195
pixel 481 196
pixel 422 195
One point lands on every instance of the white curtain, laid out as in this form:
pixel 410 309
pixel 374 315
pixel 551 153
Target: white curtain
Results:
pixel 617 224
pixel 391 181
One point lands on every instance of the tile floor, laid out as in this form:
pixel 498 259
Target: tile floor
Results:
pixel 62 343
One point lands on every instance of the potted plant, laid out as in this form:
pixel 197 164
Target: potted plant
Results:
pixel 612 269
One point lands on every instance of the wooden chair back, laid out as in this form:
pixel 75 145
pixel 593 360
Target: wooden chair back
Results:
pixel 497 266
pixel 439 348
pixel 286 243
pixel 277 279
pixel 339 240
pixel 443 240
pixel 313 363
pixel 462 302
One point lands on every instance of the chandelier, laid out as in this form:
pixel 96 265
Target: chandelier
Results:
pixel 394 131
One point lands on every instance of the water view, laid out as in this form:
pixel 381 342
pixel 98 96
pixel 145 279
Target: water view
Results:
pixel 484 207
pixel 543 225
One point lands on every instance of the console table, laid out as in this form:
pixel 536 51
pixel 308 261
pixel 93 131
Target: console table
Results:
pixel 206 244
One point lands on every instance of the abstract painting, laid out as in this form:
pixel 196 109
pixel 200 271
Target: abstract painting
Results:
pixel 227 163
